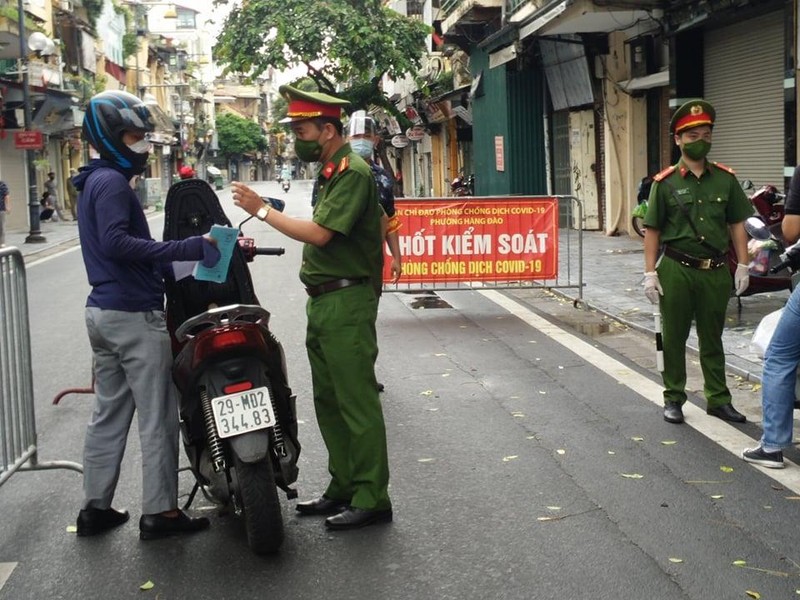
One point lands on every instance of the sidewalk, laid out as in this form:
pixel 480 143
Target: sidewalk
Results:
pixel 612 272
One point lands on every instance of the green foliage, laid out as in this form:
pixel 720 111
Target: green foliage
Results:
pixel 10 12
pixel 94 9
pixel 130 44
pixel 238 136
pixel 354 42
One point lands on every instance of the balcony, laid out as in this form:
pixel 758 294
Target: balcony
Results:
pixel 466 13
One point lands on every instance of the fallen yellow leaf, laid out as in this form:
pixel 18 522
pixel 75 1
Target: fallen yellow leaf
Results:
pixel 676 560
pixel 542 392
pixel 423 460
pixel 546 518
pixel 445 374
pixel 530 437
pixel 717 496
pixel 71 529
pixel 147 585
pixel 739 563
pixel 756 387
pixel 440 354
pixel 517 415
pixel 752 594
pixel 553 508
pixel 433 409
pixel 632 475
pixel 669 442
pixel 793 497
pixel 426 393
pixel 611 452
pixel 561 451
pixel 725 469
pixel 637 439
pixel 512 457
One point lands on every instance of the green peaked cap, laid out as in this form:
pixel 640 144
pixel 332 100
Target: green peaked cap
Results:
pixel 310 105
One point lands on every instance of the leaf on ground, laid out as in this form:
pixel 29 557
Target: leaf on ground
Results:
pixel 767 507
pixel 561 451
pixel 632 475
pixel 793 497
pixel 426 393
pixel 560 367
pixel 517 414
pixel 432 409
pixel 637 439
pixel 531 341
pixel 445 374
pixel 542 392
pixel 424 460
pixel 676 560
pixel 717 496
pixel 530 437
pixel 301 421
pixel 725 469
pixel 72 529
pixel 612 453
pixel 668 442
pixel 739 563
pixel 753 594
pixel 547 518
pixel 778 488
pixel 553 508
pixel 514 397
pixel 509 458
pixel 440 354
pixel 147 585
pixel 756 387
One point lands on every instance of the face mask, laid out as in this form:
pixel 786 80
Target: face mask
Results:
pixel 140 147
pixel 308 150
pixel 362 147
pixel 697 149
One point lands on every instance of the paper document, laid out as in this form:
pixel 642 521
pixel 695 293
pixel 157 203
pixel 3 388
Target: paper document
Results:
pixel 226 241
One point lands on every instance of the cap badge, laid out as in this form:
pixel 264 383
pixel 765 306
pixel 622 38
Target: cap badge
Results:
pixel 696 110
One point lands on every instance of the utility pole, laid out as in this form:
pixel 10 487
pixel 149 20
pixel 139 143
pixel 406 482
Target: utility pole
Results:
pixel 35 234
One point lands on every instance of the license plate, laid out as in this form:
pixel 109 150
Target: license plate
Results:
pixel 242 412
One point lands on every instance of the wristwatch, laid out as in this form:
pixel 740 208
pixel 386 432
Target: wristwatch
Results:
pixel 263 212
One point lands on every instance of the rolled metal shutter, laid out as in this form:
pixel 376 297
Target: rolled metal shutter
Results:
pixel 744 81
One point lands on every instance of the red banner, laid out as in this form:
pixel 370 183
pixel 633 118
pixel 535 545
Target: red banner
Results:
pixel 28 140
pixel 478 239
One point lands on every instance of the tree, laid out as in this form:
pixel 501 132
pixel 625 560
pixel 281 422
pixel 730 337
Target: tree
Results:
pixel 238 136
pixel 350 42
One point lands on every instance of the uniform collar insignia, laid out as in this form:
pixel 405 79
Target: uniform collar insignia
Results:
pixel 327 170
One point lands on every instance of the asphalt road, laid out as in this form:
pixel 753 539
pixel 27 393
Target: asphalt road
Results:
pixel 516 445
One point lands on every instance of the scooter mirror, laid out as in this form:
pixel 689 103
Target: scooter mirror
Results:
pixel 757 229
pixel 747 184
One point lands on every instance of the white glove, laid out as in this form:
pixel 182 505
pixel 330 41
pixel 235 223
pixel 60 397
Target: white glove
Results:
pixel 652 287
pixel 741 279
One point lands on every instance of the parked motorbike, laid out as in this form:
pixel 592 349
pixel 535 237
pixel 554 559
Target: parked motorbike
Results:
pixel 238 416
pixel 286 185
pixel 637 217
pixel 463 186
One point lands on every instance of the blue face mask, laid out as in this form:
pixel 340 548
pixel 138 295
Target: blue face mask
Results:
pixel 362 147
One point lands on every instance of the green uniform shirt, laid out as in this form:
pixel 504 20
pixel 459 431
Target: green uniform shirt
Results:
pixel 348 205
pixel 713 201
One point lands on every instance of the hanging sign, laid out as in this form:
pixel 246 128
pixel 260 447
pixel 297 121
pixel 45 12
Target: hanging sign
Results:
pixel 415 133
pixel 399 141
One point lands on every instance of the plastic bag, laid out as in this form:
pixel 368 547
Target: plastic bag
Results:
pixel 763 333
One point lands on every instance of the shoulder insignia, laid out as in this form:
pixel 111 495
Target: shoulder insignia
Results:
pixel 344 164
pixel 664 174
pixel 724 168
pixel 327 170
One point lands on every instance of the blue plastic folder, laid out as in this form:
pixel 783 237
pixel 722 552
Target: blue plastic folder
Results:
pixel 226 241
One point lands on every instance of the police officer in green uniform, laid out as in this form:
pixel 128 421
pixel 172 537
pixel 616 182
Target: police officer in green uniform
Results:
pixel 342 271
pixel 696 208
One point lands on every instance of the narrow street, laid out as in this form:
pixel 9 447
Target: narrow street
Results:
pixel 529 460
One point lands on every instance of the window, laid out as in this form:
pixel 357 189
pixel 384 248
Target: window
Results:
pixel 186 19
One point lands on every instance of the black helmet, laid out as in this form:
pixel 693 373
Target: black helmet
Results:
pixel 111 113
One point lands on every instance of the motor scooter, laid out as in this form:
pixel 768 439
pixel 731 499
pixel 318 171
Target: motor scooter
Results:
pixel 286 185
pixel 238 417
pixel 463 186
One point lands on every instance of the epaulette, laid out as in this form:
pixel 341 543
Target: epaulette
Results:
pixel 723 167
pixel 344 164
pixel 394 224
pixel 664 174
pixel 327 170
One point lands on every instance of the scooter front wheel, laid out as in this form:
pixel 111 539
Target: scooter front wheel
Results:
pixel 259 501
pixel 638 225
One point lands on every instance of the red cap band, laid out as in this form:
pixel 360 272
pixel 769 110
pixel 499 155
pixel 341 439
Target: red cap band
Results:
pixel 691 120
pixel 308 109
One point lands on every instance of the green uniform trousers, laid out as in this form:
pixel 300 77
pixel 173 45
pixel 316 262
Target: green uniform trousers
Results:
pixel 703 296
pixel 342 347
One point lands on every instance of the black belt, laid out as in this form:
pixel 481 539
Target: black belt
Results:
pixel 704 264
pixel 332 286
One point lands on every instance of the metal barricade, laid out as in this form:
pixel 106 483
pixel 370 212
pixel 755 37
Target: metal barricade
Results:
pixel 18 449
pixel 570 259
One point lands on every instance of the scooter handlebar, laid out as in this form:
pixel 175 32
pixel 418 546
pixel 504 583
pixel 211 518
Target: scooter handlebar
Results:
pixel 269 251
pixel 790 259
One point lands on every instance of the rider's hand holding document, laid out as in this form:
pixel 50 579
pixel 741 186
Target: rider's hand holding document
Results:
pixel 226 241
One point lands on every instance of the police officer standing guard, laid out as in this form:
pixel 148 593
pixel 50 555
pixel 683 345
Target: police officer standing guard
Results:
pixel 695 209
pixel 342 271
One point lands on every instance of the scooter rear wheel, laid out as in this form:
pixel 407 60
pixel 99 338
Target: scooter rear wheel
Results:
pixel 638 226
pixel 259 500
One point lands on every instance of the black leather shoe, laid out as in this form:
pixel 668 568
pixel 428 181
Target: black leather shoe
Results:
pixel 92 521
pixel 152 527
pixel 726 412
pixel 673 413
pixel 354 518
pixel 322 506
pixel 380 387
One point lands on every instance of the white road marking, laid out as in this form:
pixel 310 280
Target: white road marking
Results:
pixel 5 572
pixel 718 431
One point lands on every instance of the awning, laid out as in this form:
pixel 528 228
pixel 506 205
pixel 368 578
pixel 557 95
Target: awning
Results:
pixel 53 111
pixel 584 16
pixel 647 82
pixel 452 94
pixel 542 18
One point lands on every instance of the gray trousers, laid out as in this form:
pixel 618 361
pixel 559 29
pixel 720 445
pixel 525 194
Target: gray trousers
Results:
pixel 2 228
pixel 133 362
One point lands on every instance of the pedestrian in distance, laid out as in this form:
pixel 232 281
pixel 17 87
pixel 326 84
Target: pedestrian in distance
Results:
pixel 5 208
pixel 125 322
pixel 46 213
pixel 51 187
pixel 342 272
pixel 781 360
pixel 72 195
pixel 695 209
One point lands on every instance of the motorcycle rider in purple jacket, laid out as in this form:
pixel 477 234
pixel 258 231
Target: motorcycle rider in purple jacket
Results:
pixel 125 322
